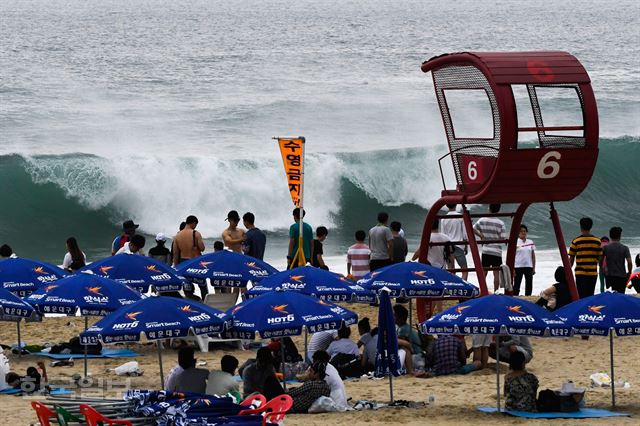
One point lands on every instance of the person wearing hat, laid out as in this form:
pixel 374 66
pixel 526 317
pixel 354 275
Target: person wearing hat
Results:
pixel 128 230
pixel 160 252
pixel 233 236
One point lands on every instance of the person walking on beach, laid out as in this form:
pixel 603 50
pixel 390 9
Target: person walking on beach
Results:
pixel 255 241
pixel 491 228
pixel 604 240
pixel 454 229
pixel 233 236
pixel 317 250
pixel 294 236
pixel 358 257
pixel 74 259
pixel 381 243
pixel 585 251
pixel 188 243
pixel 525 264
pixel 128 230
pixel 160 252
pixel 616 255
pixel 400 249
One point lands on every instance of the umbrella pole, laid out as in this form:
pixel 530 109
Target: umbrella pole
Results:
pixel 391 386
pixel 613 376
pixel 498 371
pixel 284 375
pixel 19 342
pixel 86 325
pixel 410 314
pixel 305 343
pixel 159 344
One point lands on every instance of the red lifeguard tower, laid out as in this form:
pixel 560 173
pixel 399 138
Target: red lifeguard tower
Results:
pixel 499 166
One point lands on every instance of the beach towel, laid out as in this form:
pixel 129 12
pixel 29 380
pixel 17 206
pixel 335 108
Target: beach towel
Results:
pixel 54 391
pixel 583 413
pixel 106 353
pixel 505 278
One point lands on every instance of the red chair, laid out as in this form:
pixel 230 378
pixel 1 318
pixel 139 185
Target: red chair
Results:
pixel 94 418
pixel 43 413
pixel 274 410
pixel 250 400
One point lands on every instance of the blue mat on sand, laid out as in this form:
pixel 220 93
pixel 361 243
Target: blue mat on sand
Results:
pixel 583 413
pixel 106 353
pixel 56 391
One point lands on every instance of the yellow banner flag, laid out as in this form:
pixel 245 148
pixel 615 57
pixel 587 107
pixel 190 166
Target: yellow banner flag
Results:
pixel 292 150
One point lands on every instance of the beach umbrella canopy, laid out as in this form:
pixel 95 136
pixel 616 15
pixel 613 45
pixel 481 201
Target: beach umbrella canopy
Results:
pixel 23 276
pixel 415 279
pixel 89 293
pixel 315 282
pixel 496 314
pixel 158 318
pixel 286 313
pixel 597 315
pixel 387 360
pixel 225 269
pixel 602 314
pixel 138 272
pixel 12 307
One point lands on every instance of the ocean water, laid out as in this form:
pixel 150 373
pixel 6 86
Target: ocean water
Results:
pixel 153 110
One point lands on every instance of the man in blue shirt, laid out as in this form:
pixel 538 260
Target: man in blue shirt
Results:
pixel 254 239
pixel 294 235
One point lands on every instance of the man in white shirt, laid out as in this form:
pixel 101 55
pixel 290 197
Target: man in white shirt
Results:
pixel 437 256
pixel 222 382
pixel 454 229
pixel 134 246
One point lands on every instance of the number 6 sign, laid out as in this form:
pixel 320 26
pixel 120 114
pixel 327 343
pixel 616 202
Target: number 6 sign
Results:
pixel 547 167
pixel 475 169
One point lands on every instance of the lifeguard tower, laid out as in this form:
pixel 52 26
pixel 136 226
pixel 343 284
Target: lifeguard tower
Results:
pixel 503 164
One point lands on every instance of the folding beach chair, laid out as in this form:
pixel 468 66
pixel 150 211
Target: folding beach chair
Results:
pixel 43 413
pixel 273 411
pixel 94 418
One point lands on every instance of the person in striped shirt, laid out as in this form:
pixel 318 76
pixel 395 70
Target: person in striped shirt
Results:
pixel 358 257
pixel 585 251
pixel 491 228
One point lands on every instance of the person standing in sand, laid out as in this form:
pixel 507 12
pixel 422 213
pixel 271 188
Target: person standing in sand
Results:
pixel 617 254
pixel 585 251
pixel 187 243
pixel 233 236
pixel 128 231
pixel 380 243
pixel 491 228
pixel 255 241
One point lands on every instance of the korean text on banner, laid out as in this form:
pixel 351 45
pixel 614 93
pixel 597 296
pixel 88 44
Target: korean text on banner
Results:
pixel 292 151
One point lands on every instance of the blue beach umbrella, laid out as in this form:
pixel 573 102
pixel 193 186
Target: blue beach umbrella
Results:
pixel 285 313
pixel 225 269
pixel 280 314
pixel 315 282
pixel 23 276
pixel 12 308
pixel 601 315
pixel 90 294
pixel 496 315
pixel 138 272
pixel 157 318
pixel 387 359
pixel 414 279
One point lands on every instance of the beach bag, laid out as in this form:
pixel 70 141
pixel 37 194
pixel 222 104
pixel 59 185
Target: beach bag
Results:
pixel 323 404
pixel 548 401
pixel 348 365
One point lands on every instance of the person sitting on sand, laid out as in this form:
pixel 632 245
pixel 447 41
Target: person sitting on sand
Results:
pixel 557 295
pixel 370 351
pixel 450 355
pixel 333 379
pixel 255 375
pixel 222 382
pixel 364 330
pixel 510 345
pixel 28 383
pixel 291 353
pixel 344 344
pixel 320 341
pixel 304 396
pixel 191 379
pixel 520 386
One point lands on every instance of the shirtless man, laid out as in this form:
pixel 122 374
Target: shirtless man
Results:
pixel 233 236
pixel 187 243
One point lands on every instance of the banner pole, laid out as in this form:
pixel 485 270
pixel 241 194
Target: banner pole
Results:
pixel 302 260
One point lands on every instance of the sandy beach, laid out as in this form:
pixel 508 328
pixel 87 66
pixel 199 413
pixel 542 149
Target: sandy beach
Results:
pixel 454 397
